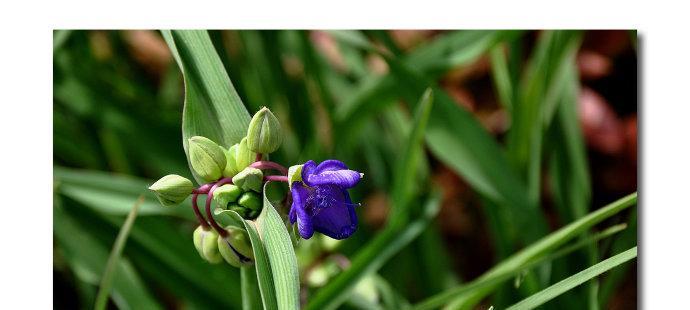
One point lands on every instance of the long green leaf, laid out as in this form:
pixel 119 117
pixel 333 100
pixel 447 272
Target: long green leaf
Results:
pixel 114 258
pixel 212 108
pixel 406 166
pixel 489 282
pixel 264 275
pixel 281 255
pixel 539 248
pixel 372 257
pixel 570 174
pixel 251 293
pixel 559 288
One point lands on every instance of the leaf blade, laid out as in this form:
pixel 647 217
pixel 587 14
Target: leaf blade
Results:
pixel 281 255
pixel 529 253
pixel 212 107
pixel 262 265
pixel 575 280
pixel 115 254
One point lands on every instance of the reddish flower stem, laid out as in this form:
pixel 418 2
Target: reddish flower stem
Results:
pixel 197 213
pixel 209 198
pixel 277 178
pixel 269 165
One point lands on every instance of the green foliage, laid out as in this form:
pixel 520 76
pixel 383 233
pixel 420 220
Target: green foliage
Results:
pixel 553 291
pixel 401 126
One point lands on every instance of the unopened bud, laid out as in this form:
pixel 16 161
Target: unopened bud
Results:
pixel 251 201
pixel 207 158
pixel 236 248
pixel 249 179
pixel 172 189
pixel 264 134
pixel 243 155
pixel 226 194
pixel 230 162
pixel 206 243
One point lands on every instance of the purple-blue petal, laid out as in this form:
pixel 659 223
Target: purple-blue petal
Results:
pixel 341 178
pixel 308 169
pixel 300 197
pixel 329 165
pixel 334 214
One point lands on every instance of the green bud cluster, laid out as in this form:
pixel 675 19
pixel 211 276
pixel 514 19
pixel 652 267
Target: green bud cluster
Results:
pixel 212 162
pixel 246 203
pixel 235 248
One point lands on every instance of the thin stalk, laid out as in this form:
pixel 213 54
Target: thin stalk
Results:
pixel 114 258
pixel 269 165
pixel 277 178
pixel 197 213
pixel 209 197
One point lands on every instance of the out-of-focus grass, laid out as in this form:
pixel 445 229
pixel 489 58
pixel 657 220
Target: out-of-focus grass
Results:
pixel 349 95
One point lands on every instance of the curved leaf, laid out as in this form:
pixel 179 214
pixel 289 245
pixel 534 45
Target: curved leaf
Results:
pixel 212 107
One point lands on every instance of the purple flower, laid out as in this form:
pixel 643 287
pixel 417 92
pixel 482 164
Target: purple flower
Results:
pixel 321 202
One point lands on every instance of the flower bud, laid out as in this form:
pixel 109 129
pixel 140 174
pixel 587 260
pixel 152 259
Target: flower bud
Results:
pixel 249 179
pixel 264 134
pixel 206 243
pixel 242 211
pixel 207 158
pixel 243 155
pixel 230 162
pixel 172 189
pixel 236 248
pixel 226 194
pixel 251 201
pixel 294 174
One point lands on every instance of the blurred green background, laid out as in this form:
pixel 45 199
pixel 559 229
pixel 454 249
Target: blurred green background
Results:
pixel 541 128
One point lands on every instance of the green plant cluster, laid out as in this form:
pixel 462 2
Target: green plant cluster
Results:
pixel 126 112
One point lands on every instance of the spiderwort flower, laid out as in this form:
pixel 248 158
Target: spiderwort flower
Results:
pixel 320 201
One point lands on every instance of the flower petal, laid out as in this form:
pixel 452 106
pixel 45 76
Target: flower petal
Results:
pixel 335 214
pixel 341 178
pixel 308 169
pixel 299 204
pixel 330 165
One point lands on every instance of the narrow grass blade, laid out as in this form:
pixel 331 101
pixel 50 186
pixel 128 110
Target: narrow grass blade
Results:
pixel 501 77
pixel 212 108
pixel 459 296
pixel 559 288
pixel 281 256
pixel 372 257
pixel 406 168
pixel 489 282
pixel 114 258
